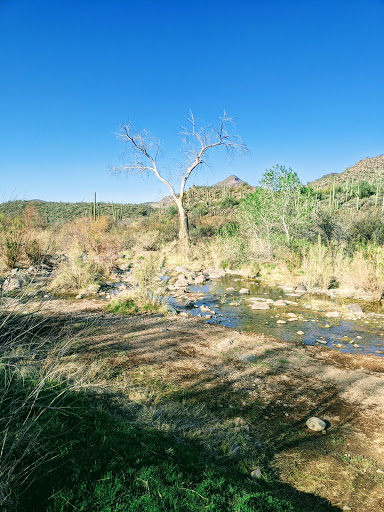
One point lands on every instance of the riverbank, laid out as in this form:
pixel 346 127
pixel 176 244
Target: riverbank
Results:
pixel 173 375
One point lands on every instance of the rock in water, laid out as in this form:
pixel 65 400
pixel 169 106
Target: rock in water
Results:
pixel 316 424
pixel 244 290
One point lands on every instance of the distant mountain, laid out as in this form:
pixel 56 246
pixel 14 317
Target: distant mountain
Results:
pixel 230 182
pixel 370 169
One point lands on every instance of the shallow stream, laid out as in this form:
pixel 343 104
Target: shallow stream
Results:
pixel 363 335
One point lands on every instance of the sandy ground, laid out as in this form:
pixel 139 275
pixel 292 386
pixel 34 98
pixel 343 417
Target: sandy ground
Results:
pixel 158 359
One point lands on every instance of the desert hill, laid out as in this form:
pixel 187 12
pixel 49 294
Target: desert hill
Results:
pixel 369 169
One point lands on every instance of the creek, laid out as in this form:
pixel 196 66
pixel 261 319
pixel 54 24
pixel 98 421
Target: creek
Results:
pixel 348 333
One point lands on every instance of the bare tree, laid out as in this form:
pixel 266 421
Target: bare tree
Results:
pixel 142 154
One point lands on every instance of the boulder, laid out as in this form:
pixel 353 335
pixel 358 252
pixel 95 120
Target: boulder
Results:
pixel 12 283
pixel 189 303
pixel 200 279
pixel 332 314
pixel 244 290
pixel 260 305
pixel 214 275
pixel 181 269
pixel 225 345
pixel 247 358
pixel 355 308
pixel 256 473
pixel 280 303
pixel 281 322
pixel 300 333
pixel 230 289
pixel 301 289
pixel 316 424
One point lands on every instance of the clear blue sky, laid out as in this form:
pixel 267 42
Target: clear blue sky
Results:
pixel 304 79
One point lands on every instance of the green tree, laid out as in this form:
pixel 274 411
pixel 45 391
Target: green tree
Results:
pixel 279 211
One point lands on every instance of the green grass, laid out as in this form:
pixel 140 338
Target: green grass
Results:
pixel 129 307
pixel 97 462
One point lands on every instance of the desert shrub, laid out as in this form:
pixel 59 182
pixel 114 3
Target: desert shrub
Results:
pixel 365 270
pixel 230 247
pixel 367 228
pixel 12 232
pixel 229 202
pixel 77 272
pixel 327 224
pixel 321 264
pixel 28 361
pixel 365 189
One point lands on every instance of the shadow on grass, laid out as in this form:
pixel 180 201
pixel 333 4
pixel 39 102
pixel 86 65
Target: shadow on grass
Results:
pixel 102 463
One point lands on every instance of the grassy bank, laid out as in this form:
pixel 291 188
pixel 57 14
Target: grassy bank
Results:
pixel 92 461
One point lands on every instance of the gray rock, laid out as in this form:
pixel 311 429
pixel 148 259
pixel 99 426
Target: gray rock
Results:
pixel 301 289
pixel 244 290
pixel 270 301
pixel 200 279
pixel 260 305
pixel 355 308
pixel 214 275
pixel 12 283
pixel 281 322
pixel 93 288
pixel 189 304
pixel 256 473
pixel 247 358
pixel 235 449
pixel 230 289
pixel 181 269
pixel 316 424
pixel 171 310
pixel 332 314
pixel 279 303
pixel 224 345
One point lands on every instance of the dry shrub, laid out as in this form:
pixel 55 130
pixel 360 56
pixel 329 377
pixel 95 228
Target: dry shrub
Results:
pixel 77 272
pixel 365 271
pixel 97 238
pixel 290 264
pixel 321 265
pixel 23 240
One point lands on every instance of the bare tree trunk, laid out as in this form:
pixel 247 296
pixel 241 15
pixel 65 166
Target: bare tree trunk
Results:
pixel 183 225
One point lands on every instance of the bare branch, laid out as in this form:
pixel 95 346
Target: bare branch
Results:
pixel 141 153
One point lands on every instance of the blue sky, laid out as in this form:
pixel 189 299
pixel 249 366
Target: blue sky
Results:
pixel 304 80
